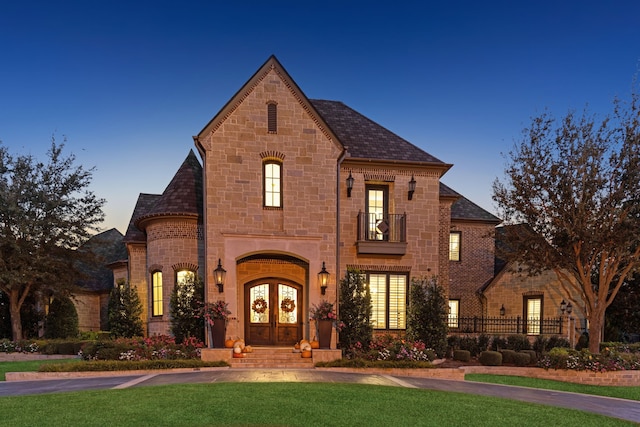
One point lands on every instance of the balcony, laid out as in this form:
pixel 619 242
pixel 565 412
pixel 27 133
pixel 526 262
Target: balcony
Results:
pixel 385 235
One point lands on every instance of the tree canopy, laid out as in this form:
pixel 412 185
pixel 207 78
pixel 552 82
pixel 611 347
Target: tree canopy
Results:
pixel 573 185
pixel 46 213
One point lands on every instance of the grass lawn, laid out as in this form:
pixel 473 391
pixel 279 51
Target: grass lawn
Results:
pixel 632 393
pixel 290 404
pixel 27 365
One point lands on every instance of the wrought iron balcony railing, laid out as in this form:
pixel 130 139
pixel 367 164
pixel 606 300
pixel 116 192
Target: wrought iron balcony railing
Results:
pixel 382 234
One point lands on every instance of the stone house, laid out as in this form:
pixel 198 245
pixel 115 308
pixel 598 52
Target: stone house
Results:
pixel 286 187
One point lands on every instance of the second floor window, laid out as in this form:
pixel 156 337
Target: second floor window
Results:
pixel 454 246
pixel 377 212
pixel 273 184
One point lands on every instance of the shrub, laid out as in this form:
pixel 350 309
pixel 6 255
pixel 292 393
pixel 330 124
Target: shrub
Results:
pixel 113 365
pixel 556 341
pixel 427 313
pixel 185 305
pixel 521 359
pixel 125 310
pixel 533 356
pixel 355 311
pixel 518 342
pixel 583 360
pixel 62 320
pixel 389 348
pixel 483 343
pixel 490 358
pixel 498 343
pixel 507 356
pixel 461 355
pixel 158 347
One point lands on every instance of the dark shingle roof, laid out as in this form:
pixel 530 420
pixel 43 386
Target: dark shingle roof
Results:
pixel 464 209
pixel 104 248
pixel 366 139
pixel 143 206
pixel 183 195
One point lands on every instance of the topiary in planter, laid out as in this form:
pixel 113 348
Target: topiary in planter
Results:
pixel 507 356
pixel 533 356
pixel 462 355
pixel 521 359
pixel 490 358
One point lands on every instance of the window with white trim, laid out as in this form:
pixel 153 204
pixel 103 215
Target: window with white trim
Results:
pixel 156 293
pixel 272 184
pixel 533 314
pixel 388 300
pixel 454 312
pixel 455 238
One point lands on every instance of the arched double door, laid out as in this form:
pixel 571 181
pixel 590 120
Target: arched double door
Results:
pixel 273 312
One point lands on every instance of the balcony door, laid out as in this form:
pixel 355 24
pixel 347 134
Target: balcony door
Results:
pixel 273 312
pixel 377 212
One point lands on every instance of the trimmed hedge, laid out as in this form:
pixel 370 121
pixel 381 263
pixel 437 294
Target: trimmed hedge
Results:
pixel 521 359
pixel 490 358
pixel 508 356
pixel 461 355
pixel 533 356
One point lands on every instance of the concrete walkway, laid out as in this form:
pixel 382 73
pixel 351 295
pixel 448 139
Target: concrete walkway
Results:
pixel 617 408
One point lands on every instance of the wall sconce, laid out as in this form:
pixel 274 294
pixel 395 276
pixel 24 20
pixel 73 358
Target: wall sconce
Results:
pixel 219 274
pixel 502 310
pixel 323 279
pixel 564 307
pixel 412 187
pixel 350 181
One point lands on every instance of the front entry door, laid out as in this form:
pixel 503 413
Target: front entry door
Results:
pixel 274 315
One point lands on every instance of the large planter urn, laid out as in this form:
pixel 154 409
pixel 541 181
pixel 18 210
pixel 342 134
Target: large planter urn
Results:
pixel 218 332
pixel 324 333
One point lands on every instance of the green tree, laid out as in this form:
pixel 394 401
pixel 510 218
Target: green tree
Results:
pixel 623 317
pixel 574 184
pixel 355 311
pixel 62 320
pixel 125 310
pixel 185 304
pixel 46 212
pixel 427 314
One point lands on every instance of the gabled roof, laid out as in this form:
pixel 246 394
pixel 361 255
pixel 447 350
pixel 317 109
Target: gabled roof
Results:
pixel 362 137
pixel 365 138
pixel 464 209
pixel 105 248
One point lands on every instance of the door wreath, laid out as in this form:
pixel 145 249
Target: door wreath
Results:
pixel 287 305
pixel 259 305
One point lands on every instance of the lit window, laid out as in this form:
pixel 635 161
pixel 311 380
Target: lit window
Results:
pixel 272 117
pixel 377 212
pixel 183 277
pixel 454 312
pixel 156 284
pixel 273 184
pixel 388 300
pixel 533 314
pixel 454 246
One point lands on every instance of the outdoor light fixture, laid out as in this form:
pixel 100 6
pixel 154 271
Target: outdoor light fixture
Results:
pixel 569 308
pixel 502 310
pixel 219 274
pixel 323 279
pixel 563 306
pixel 412 187
pixel 350 180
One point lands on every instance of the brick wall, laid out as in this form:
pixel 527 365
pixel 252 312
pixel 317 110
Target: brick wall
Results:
pixel 476 265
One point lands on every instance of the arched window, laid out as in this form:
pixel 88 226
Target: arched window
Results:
pixel 272 184
pixel 156 293
pixel 272 117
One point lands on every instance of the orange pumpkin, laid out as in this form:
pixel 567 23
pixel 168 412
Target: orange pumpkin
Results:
pixel 315 344
pixel 229 343
pixel 306 354
pixel 238 355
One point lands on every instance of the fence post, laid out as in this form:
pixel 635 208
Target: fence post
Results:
pixel 518 325
pixel 475 324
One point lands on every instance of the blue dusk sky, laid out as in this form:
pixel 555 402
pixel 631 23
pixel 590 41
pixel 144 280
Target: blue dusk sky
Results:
pixel 128 83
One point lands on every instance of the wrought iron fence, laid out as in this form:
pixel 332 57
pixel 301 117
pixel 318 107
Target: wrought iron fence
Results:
pixel 506 325
pixel 390 228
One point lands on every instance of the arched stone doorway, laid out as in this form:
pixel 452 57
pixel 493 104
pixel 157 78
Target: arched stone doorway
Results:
pixel 273 312
pixel 274 298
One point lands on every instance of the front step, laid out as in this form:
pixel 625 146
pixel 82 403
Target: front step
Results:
pixel 272 357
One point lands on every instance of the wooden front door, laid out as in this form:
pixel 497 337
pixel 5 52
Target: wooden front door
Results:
pixel 273 312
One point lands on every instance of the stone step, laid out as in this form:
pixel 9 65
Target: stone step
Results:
pixel 272 357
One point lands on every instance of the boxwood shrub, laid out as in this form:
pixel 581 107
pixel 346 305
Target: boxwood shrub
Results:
pixel 462 355
pixel 508 356
pixel 490 358
pixel 521 359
